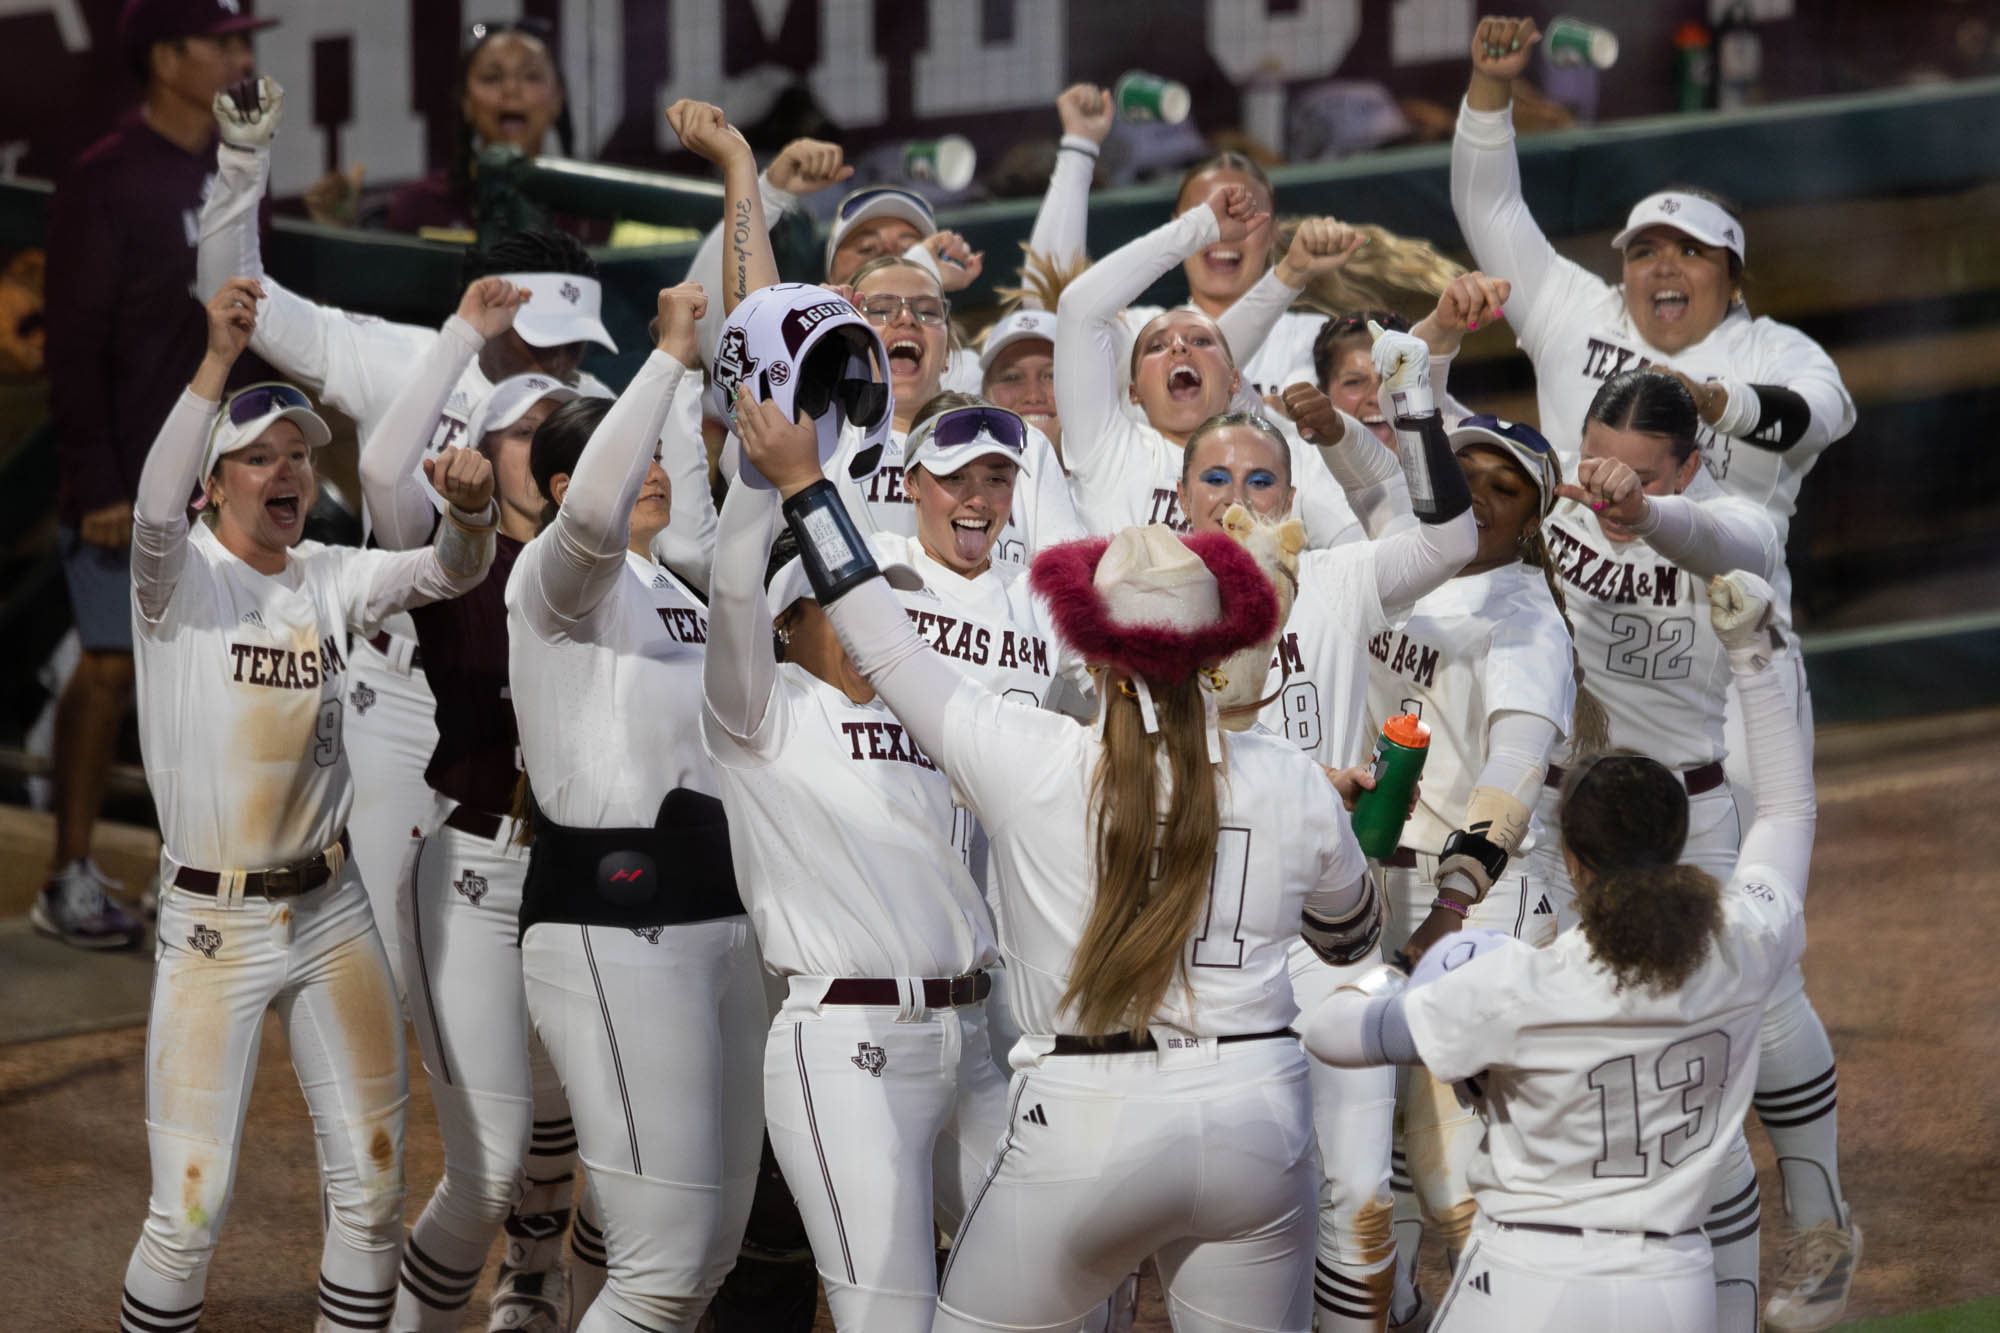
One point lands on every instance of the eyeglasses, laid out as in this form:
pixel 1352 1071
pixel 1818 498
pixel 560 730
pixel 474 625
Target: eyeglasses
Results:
pixel 858 202
pixel 476 34
pixel 883 308
pixel 260 400
pixel 972 425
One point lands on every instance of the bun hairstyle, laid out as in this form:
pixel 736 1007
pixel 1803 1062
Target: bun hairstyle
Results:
pixel 1649 919
pixel 559 442
pixel 1650 402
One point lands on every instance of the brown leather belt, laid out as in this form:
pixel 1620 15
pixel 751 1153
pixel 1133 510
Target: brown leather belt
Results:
pixel 477 822
pixel 1555 1230
pixel 381 641
pixel 283 882
pixel 1697 780
pixel 1124 1043
pixel 939 992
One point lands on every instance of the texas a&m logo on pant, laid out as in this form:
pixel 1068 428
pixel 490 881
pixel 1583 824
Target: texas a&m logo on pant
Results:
pixel 205 940
pixel 472 885
pixel 869 1057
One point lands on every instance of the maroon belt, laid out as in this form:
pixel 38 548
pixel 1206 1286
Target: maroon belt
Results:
pixel 1697 780
pixel 283 882
pixel 1555 1230
pixel 1402 859
pixel 381 641
pixel 939 992
pixel 477 822
pixel 1124 1043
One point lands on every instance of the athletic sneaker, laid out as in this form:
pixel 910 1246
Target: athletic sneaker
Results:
pixel 1814 1277
pixel 529 1302
pixel 72 907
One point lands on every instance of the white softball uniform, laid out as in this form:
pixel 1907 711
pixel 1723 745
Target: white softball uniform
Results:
pixel 1574 326
pixel 1043 514
pixel 1039 1248
pixel 240 676
pixel 654 1024
pixel 1123 472
pixel 358 363
pixel 880 1091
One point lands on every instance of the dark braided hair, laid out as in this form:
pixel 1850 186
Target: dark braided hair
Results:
pixel 1648 918
pixel 1650 402
pixel 536 250
pixel 1590 725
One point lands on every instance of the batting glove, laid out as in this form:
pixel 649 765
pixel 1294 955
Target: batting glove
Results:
pixel 1740 609
pixel 1404 363
pixel 248 114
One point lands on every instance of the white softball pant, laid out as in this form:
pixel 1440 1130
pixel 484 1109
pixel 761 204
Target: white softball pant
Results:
pixel 1515 1281
pixel 657 1034
pixel 1200 1158
pixel 389 727
pixel 884 1120
pixel 218 967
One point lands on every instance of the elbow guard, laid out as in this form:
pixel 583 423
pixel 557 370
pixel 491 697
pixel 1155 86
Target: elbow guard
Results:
pixel 1349 938
pixel 1437 488
pixel 1782 418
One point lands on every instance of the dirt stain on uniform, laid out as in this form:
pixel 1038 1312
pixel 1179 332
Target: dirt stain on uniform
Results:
pixel 382 1151
pixel 191 1196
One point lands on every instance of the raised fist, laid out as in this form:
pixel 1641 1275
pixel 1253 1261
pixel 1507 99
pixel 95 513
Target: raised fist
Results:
pixel 807 166
pixel 463 477
pixel 1404 364
pixel 1739 606
pixel 490 304
pixel 1236 211
pixel 705 132
pixel 1468 300
pixel 1086 111
pixel 1501 46
pixel 1320 245
pixel 680 309
pixel 248 113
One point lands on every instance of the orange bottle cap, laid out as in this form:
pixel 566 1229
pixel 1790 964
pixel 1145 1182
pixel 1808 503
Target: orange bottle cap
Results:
pixel 1407 731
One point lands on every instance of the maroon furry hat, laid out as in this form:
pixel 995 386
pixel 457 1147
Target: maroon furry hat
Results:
pixel 1065 575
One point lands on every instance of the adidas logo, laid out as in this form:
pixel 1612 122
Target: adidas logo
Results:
pixel 1483 1284
pixel 1035 1117
pixel 1542 908
pixel 254 618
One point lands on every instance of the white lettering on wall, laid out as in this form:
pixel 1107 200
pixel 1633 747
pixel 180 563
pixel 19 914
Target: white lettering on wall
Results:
pixel 593 57
pixel 386 134
pixel 849 80
pixel 1248 41
pixel 957 72
pixel 68 14
pixel 1421 31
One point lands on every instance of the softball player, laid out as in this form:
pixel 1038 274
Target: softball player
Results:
pixel 1147 1024
pixel 1635 557
pixel 1124 471
pixel 1314 696
pixel 640 966
pixel 1616 1065
pixel 459 932
pixel 1770 400
pixel 240 631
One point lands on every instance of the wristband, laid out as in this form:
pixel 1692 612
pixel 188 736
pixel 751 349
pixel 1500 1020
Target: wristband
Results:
pixel 830 546
pixel 1448 905
pixel 1077 143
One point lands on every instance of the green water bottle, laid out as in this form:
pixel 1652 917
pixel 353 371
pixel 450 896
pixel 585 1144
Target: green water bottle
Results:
pixel 1398 763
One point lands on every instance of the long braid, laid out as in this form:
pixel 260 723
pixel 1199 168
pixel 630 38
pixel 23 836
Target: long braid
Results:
pixel 1590 725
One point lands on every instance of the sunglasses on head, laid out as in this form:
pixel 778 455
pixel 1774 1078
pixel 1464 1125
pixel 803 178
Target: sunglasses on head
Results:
pixel 261 400
pixel 1388 319
pixel 485 30
pixel 967 425
pixel 861 199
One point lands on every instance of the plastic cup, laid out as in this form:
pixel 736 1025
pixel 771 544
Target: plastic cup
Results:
pixel 948 162
pixel 1571 41
pixel 1142 96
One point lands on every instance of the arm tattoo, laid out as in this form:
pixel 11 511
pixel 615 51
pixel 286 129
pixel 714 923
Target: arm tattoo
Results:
pixel 740 236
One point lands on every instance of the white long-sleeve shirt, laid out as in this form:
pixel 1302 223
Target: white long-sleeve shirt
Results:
pixel 1044 512
pixel 1123 472
pixel 240 673
pixel 358 363
pixel 1575 328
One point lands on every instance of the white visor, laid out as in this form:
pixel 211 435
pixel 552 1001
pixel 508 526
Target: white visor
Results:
pixel 1020 324
pixel 509 400
pixel 227 436
pixel 878 201
pixel 1688 214
pixel 563 308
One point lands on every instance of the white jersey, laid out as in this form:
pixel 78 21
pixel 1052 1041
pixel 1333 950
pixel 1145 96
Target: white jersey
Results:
pixel 1610 1109
pixel 990 626
pixel 608 705
pixel 841 829
pixel 1026 773
pixel 1575 328
pixel 1319 673
pixel 1285 356
pixel 239 686
pixel 1043 514
pixel 1482 644
pixel 1643 635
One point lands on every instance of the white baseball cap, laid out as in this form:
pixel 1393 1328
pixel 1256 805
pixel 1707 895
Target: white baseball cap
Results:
pixel 1026 322
pixel 509 400
pixel 564 308
pixel 1690 214
pixel 948 441
pixel 791 582
pixel 878 201
pixel 249 412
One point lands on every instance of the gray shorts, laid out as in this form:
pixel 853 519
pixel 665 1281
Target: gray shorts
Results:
pixel 100 591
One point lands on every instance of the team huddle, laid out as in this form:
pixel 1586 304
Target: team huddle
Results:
pixel 951 831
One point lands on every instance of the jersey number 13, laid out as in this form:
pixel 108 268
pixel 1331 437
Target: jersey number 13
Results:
pixel 1698 1067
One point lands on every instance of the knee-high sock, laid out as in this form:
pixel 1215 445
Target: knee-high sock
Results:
pixel 1796 1102
pixel 1732 1227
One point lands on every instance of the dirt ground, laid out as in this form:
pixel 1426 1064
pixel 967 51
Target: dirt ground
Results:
pixel 1904 914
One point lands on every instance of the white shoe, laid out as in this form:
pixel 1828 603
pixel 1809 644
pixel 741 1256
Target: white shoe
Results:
pixel 73 908
pixel 529 1302
pixel 1814 1277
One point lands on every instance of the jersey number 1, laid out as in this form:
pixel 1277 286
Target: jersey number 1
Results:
pixel 1220 943
pixel 1699 1066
